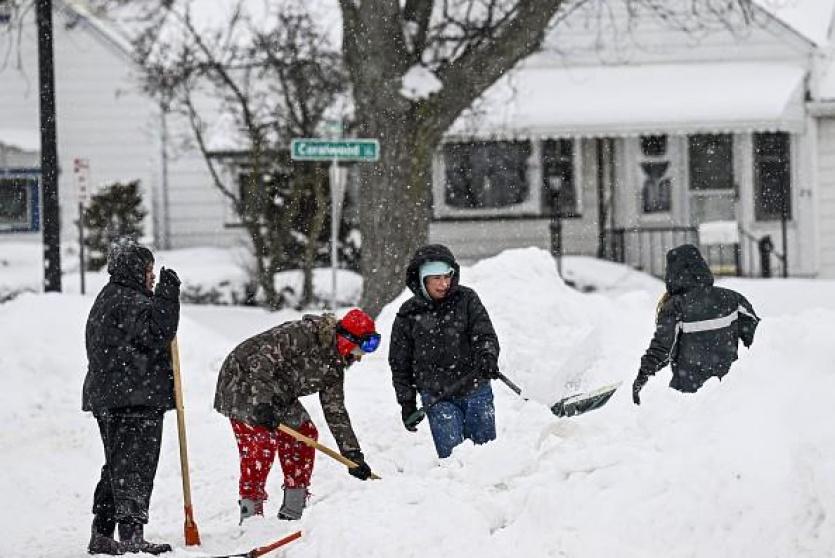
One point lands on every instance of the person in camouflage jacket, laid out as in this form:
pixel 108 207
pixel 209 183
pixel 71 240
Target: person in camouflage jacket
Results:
pixel 259 386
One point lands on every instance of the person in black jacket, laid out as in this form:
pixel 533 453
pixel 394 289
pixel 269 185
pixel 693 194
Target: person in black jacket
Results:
pixel 443 346
pixel 698 325
pixel 128 387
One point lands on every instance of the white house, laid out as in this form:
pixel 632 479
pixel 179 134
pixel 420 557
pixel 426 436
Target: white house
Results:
pixel 646 134
pixel 104 118
pixel 652 134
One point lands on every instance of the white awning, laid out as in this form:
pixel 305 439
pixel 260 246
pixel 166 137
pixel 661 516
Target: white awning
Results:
pixel 632 100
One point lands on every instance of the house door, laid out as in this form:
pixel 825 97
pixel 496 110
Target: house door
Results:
pixel 712 197
pixel 712 191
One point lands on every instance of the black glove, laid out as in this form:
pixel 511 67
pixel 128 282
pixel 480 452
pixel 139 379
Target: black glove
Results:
pixel 168 276
pixel 362 471
pixel 490 367
pixel 169 284
pixel 411 417
pixel 265 416
pixel 637 385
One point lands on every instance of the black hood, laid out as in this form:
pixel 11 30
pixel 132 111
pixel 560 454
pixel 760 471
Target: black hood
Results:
pixel 126 263
pixel 430 253
pixel 686 269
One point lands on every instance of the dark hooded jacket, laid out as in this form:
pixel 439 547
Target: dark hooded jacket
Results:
pixel 436 344
pixel 128 337
pixel 698 325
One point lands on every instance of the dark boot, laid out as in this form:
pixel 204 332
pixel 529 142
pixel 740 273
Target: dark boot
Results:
pixel 132 539
pixel 293 504
pixel 102 544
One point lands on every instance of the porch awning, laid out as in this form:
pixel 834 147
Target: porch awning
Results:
pixel 599 101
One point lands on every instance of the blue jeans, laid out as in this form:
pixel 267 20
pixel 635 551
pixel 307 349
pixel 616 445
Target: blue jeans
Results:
pixel 455 419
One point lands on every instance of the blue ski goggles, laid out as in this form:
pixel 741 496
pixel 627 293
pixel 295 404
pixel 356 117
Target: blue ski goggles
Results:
pixel 367 343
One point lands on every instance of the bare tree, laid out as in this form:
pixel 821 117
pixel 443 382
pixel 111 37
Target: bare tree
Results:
pixel 271 82
pixel 465 45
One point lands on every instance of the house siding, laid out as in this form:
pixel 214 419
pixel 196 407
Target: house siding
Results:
pixel 617 33
pixel 101 116
pixel 826 196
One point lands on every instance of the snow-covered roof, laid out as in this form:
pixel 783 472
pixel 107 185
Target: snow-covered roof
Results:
pixel 811 19
pixel 641 99
pixel 23 139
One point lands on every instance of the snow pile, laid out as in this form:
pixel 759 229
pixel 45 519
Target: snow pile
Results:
pixel 420 82
pixel 743 468
pixel 718 232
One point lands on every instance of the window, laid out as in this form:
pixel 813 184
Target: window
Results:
pixel 483 175
pixel 772 176
pixel 711 162
pixel 558 176
pixel 19 204
pixel 656 190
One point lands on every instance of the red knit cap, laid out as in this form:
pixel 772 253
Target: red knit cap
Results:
pixel 356 322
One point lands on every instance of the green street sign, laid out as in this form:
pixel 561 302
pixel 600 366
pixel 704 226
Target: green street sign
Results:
pixel 313 149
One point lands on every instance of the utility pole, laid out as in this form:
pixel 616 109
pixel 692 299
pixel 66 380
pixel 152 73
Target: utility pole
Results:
pixel 49 150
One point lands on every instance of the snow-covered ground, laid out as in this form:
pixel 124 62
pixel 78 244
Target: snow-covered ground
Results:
pixel 203 271
pixel 743 468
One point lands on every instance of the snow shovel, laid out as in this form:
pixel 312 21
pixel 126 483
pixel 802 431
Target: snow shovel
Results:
pixel 192 536
pixel 576 404
pixel 261 550
pixel 324 449
pixel 580 403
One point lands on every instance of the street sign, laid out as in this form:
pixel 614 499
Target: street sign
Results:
pixel 81 172
pixel 354 149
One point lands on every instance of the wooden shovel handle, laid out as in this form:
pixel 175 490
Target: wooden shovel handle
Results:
pixel 192 535
pixel 324 449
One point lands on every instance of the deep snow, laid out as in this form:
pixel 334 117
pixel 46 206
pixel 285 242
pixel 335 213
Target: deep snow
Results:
pixel 743 468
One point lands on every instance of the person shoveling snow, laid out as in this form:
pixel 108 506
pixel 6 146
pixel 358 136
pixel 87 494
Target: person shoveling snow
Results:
pixel 697 326
pixel 444 347
pixel 258 389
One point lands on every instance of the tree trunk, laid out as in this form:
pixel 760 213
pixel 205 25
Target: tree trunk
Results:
pixel 316 178
pixel 395 209
pixel 396 193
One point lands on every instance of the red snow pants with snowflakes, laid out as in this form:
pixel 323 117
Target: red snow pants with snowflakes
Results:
pixel 257 447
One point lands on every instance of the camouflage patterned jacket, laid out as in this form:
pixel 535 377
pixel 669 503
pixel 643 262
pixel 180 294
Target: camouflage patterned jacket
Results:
pixel 263 377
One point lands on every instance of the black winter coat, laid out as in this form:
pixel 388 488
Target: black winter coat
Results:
pixel 435 344
pixel 698 325
pixel 129 332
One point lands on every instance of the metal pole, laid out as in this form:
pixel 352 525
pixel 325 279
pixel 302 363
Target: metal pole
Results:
pixel 166 201
pixel 81 244
pixel 49 150
pixel 784 234
pixel 336 215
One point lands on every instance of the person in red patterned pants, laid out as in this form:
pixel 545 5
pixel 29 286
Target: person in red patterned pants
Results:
pixel 258 389
pixel 258 445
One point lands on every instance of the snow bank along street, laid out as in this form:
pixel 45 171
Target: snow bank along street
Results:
pixel 742 468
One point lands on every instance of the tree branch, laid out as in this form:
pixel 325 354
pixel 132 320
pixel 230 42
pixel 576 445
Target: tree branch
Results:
pixel 481 65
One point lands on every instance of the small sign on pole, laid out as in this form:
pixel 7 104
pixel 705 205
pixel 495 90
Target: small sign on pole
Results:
pixel 335 150
pixel 349 149
pixel 81 174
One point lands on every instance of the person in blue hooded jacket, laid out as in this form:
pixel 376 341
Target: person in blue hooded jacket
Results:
pixel 698 325
pixel 444 348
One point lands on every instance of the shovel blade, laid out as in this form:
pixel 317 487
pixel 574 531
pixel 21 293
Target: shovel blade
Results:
pixel 583 402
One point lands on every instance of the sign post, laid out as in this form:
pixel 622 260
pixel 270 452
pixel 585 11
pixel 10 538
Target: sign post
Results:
pixel 335 150
pixel 81 173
